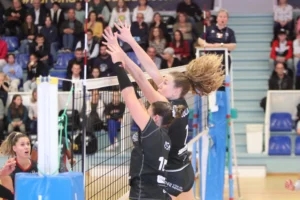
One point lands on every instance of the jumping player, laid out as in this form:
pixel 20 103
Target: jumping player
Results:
pixel 203 75
pixel 17 145
pixel 152 144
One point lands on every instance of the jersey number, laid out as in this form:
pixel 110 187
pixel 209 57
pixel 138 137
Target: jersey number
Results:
pixel 187 133
pixel 162 164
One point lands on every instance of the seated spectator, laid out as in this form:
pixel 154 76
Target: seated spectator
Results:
pixel 93 46
pixel 152 54
pixel 181 47
pixel 283 17
pixel 96 27
pixel 71 30
pixel 157 22
pixel 157 40
pixel 3 53
pixel 278 81
pixel 169 60
pixel 191 9
pixel 35 68
pixel 104 63
pixel 144 9
pixel 3 88
pixel 75 76
pixel 41 49
pixel 120 12
pixel 2 111
pixel 184 26
pixel 282 51
pixel 57 15
pixel 210 19
pixel 114 112
pixel 95 73
pixel 14 72
pixel 29 31
pixel 101 9
pixel 78 60
pixel 17 115
pixel 15 16
pixel 33 112
pixel 79 12
pixel 49 32
pixel 296 47
pixel 139 30
pixel 39 13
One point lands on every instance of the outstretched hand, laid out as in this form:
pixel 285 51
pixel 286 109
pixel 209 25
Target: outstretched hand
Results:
pixel 9 167
pixel 125 33
pixel 110 37
pixel 115 52
pixel 289 185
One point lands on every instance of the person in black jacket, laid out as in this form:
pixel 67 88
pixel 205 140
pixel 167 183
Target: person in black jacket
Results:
pixel 169 60
pixel 191 9
pixel 35 68
pixel 71 30
pixel 39 13
pixel 139 30
pixel 57 15
pixel 157 22
pixel 78 60
pixel 40 49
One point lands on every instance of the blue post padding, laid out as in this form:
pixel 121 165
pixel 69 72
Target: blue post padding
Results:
pixel 217 152
pixel 64 186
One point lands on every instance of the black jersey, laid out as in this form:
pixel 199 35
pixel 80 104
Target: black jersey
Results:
pixel 178 133
pixel 148 159
pixel 31 169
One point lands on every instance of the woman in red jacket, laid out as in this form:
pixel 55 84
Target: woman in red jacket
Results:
pixel 181 47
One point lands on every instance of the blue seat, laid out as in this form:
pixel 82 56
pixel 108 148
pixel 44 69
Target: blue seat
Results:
pixel 297 146
pixel 12 43
pixel 281 122
pixel 63 60
pixel 190 124
pixel 134 58
pixel 59 74
pixel 280 145
pixel 22 60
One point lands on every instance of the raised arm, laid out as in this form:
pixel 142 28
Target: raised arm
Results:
pixel 143 57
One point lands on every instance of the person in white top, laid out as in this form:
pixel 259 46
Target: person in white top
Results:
pixel 122 12
pixel 33 112
pixel 283 17
pixel 146 10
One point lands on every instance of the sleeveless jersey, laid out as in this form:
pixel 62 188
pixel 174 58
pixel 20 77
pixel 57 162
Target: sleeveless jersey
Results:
pixel 148 159
pixel 31 169
pixel 178 133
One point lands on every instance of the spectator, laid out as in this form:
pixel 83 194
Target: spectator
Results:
pixel 78 60
pixel 35 68
pixel 157 40
pixel 152 54
pixel 2 111
pixel 144 9
pixel 169 60
pixel 283 17
pixel 14 72
pixel 79 12
pixel 120 12
pixel 296 47
pixel 95 73
pixel 3 88
pixel 104 63
pixel 29 31
pixel 92 44
pixel 191 9
pixel 49 32
pixel 75 76
pixel 157 22
pixel 33 112
pixel 101 9
pixel 282 51
pixel 3 53
pixel 15 16
pixel 278 81
pixel 71 29
pixel 181 47
pixel 95 26
pixel 184 26
pixel 17 115
pixel 39 13
pixel 210 19
pixel 41 49
pixel 114 112
pixel 139 30
pixel 57 15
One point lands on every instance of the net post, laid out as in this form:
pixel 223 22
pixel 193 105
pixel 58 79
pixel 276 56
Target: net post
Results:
pixel 200 122
pixel 195 130
pixel 73 109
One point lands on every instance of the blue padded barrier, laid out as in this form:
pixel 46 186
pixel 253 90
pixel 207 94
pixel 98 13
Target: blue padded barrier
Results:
pixel 280 145
pixel 22 60
pixel 297 146
pixel 281 122
pixel 12 43
pixel 63 60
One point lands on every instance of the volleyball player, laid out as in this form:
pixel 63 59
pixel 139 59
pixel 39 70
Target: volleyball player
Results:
pixel 152 144
pixel 203 75
pixel 17 145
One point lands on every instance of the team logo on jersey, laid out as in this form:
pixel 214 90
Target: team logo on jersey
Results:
pixel 135 137
pixel 167 146
pixel 212 31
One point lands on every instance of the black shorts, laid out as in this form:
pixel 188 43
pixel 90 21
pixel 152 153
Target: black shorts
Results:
pixel 178 181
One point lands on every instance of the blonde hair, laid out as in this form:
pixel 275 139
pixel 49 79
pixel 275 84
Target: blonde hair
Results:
pixel 11 140
pixel 222 10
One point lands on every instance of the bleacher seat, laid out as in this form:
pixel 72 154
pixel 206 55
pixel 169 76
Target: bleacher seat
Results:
pixel 22 60
pixel 62 60
pixel 280 145
pixel 134 58
pixel 297 146
pixel 59 74
pixel 12 43
pixel 281 122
